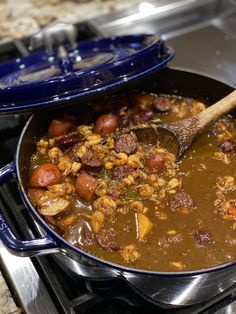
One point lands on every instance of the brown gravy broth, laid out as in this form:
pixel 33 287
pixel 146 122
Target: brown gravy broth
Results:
pixel 125 200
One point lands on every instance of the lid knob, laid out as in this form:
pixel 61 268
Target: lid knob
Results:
pixel 57 39
pixel 54 35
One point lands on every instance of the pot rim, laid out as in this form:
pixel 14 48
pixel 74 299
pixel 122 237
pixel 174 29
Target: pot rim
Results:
pixel 60 240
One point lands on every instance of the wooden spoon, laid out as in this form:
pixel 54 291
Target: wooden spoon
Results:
pixel 176 137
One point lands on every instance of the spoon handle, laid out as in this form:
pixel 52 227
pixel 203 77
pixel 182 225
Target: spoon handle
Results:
pixel 214 112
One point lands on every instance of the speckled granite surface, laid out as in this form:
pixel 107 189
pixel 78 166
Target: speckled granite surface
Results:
pixel 31 15
pixel 7 304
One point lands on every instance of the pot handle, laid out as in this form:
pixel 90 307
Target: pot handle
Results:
pixel 42 246
pixel 15 245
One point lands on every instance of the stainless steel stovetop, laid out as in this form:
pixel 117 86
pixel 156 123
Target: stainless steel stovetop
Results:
pixel 203 33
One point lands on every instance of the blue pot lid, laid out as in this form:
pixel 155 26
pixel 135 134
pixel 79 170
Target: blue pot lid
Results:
pixel 41 81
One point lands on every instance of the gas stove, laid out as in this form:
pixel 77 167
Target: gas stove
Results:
pixel 38 284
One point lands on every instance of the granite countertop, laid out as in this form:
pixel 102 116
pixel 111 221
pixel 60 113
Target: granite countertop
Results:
pixel 7 304
pixel 17 21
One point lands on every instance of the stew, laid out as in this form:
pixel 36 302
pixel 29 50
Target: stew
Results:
pixel 117 194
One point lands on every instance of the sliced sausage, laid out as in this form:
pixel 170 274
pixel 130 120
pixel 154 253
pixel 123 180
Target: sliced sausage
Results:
pixel 45 175
pixel 126 143
pixel 156 163
pixel 73 150
pixel 145 115
pixel 67 140
pixel 182 202
pixel 162 104
pixel 106 239
pixel 120 172
pixel 106 124
pixel 124 121
pixel 93 171
pixel 59 127
pixel 228 146
pixel 202 237
pixel 91 158
pixel 85 186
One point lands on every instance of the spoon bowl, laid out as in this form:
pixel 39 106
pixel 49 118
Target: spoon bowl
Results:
pixel 176 137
